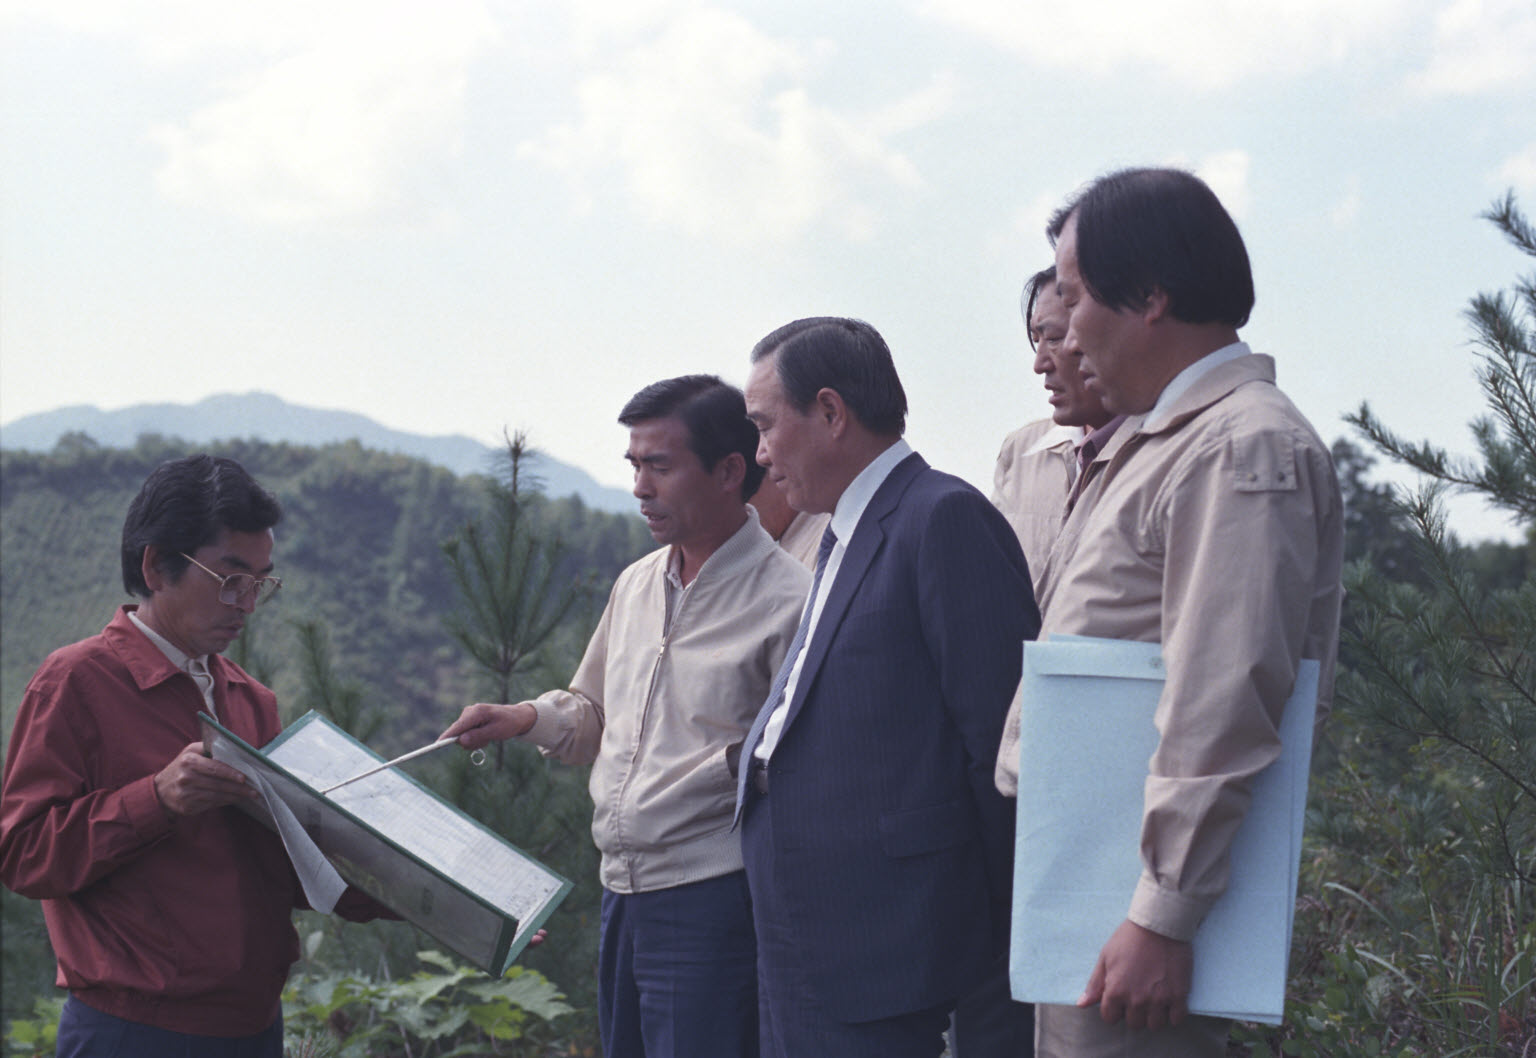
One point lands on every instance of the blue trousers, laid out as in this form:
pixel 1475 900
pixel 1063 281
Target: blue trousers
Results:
pixel 677 972
pixel 85 1032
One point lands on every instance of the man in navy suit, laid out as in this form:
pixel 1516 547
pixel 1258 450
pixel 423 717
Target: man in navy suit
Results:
pixel 879 854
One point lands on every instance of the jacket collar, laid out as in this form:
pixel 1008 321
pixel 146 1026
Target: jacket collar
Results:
pixel 147 663
pixel 1215 385
pixel 868 538
pixel 741 551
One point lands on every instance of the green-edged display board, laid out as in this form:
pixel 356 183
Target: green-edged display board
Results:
pixel 401 843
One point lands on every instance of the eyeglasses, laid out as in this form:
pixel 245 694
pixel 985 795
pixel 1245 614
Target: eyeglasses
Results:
pixel 237 587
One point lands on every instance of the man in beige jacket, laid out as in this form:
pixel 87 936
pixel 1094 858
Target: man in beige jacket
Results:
pixel 678 667
pixel 1215 530
pixel 1043 466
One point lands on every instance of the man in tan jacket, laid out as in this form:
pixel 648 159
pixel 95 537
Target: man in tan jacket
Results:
pixel 1215 530
pixel 678 667
pixel 1044 465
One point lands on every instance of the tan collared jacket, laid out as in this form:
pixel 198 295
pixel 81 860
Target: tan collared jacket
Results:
pixel 1030 485
pixel 654 712
pixel 802 537
pixel 1219 535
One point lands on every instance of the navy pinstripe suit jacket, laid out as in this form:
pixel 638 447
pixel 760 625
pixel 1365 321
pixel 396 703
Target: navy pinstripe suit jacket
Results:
pixel 890 847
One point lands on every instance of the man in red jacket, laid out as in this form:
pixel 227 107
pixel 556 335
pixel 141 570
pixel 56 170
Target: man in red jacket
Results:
pixel 168 907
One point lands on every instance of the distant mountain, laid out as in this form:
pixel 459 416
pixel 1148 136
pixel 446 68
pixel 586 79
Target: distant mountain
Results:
pixel 270 418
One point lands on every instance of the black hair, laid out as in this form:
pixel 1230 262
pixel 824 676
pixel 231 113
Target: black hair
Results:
pixel 185 504
pixel 715 414
pixel 847 356
pixel 1142 230
pixel 1032 288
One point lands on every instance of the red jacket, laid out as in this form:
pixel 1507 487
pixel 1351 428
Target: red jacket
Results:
pixel 184 925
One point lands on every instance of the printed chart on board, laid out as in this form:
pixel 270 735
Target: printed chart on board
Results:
pixel 396 840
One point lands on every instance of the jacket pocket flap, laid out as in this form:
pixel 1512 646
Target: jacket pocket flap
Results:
pixel 928 829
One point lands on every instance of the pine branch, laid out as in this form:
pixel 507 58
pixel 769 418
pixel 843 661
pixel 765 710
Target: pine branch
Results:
pixel 1507 217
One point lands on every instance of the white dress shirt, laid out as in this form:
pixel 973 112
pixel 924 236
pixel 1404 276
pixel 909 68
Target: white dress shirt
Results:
pixel 845 519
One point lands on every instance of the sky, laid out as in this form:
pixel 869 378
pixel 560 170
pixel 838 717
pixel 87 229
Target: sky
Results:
pixel 469 215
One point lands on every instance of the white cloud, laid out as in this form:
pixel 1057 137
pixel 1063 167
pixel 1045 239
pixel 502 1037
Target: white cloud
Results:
pixel 1519 171
pixel 1030 220
pixel 1203 43
pixel 1227 173
pixel 597 23
pixel 322 109
pixel 715 129
pixel 1346 212
pixel 1481 46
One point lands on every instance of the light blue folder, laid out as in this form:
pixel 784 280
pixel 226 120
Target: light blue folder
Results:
pixel 1085 738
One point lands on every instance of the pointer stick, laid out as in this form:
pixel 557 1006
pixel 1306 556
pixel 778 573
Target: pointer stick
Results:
pixel 412 755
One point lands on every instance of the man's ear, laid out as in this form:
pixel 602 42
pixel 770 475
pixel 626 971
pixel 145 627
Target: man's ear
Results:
pixel 1156 307
pixel 732 469
pixel 149 569
pixel 830 407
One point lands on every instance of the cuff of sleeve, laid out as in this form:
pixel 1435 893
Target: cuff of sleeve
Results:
pixel 149 817
pixel 547 729
pixel 1165 912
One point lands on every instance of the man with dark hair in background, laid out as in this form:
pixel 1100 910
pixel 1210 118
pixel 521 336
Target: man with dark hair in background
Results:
pixel 1040 471
pixel 1043 465
pixel 1214 530
pixel 797 532
pixel 168 909
pixel 679 664
pixel 879 854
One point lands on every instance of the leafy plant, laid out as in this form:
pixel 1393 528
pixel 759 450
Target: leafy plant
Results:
pixel 38 1035
pixel 448 1009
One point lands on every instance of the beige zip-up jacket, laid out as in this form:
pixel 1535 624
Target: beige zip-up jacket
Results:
pixel 654 711
pixel 1034 473
pixel 1220 535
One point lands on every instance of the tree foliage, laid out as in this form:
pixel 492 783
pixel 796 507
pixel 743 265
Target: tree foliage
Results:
pixel 511 600
pixel 1419 933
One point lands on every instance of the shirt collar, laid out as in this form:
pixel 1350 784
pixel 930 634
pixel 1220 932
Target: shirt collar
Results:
pixel 1055 436
pixel 1182 382
pixel 862 489
pixel 169 649
pixel 675 567
pixel 1098 438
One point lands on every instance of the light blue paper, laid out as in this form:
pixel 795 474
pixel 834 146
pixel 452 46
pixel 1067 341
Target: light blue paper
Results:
pixel 1085 738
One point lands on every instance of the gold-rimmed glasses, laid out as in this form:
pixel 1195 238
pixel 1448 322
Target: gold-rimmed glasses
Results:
pixel 237 587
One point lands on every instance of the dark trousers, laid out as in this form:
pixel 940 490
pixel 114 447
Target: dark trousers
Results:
pixel 677 972
pixel 989 1023
pixel 85 1032
pixel 794 1023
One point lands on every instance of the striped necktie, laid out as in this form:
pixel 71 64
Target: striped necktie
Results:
pixel 781 679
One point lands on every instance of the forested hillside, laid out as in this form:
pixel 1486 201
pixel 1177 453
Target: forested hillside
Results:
pixel 359 551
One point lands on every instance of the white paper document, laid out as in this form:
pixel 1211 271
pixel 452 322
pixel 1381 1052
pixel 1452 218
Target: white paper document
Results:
pixel 1085 738
pixel 323 885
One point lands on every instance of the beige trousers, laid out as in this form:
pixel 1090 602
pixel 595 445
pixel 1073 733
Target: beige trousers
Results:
pixel 1073 1032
